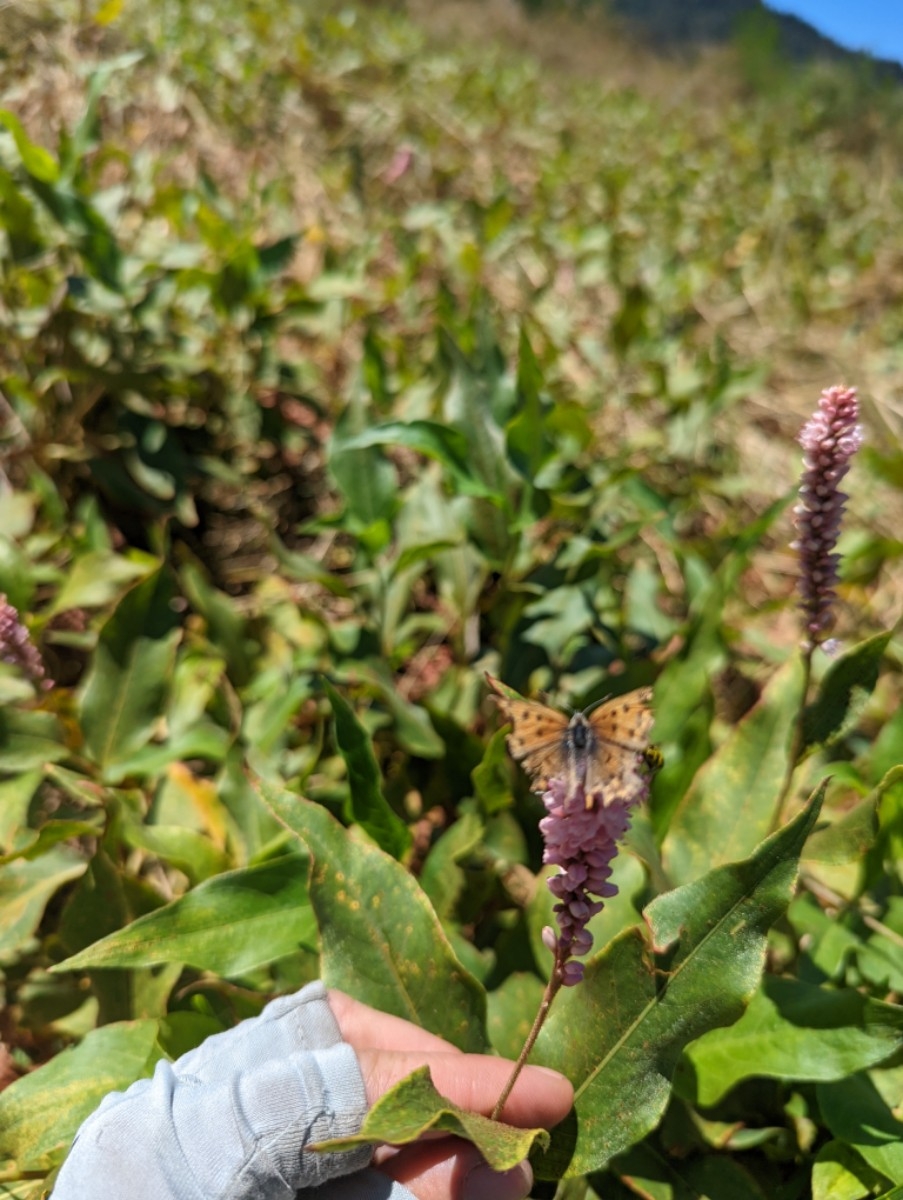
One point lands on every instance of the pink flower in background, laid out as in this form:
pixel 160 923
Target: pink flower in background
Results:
pixel 830 438
pixel 17 648
pixel 402 161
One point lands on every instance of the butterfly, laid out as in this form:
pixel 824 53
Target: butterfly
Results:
pixel 601 749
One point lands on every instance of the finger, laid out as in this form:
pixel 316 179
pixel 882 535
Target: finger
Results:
pixel 475 1082
pixel 367 1028
pixel 455 1170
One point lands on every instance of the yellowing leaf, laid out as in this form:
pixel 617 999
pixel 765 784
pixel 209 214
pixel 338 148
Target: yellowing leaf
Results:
pixel 108 12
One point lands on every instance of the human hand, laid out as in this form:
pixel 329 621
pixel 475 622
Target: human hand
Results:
pixel 442 1167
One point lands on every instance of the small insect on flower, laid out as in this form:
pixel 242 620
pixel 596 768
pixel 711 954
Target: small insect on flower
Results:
pixel 653 758
pixel 598 751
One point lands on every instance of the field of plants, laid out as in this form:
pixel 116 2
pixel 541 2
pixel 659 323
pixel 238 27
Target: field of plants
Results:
pixel 348 354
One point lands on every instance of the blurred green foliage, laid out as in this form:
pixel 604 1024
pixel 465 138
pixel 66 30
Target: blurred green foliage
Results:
pixel 339 364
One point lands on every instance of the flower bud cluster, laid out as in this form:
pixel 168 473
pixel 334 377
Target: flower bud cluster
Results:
pixel 17 648
pixel 829 438
pixel 582 839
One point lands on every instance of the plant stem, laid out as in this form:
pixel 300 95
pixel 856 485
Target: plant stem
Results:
pixel 827 896
pixel 545 1004
pixel 796 746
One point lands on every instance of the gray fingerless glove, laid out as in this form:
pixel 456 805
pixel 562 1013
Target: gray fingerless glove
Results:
pixel 231 1119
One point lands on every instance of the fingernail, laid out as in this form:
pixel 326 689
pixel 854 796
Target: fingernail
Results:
pixel 482 1183
pixel 552 1074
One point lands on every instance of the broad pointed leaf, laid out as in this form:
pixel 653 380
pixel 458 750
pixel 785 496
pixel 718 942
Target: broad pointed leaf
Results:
pixel 124 696
pixel 856 671
pixel 381 940
pixel 369 807
pixel 857 1114
pixel 432 439
pixel 26 887
pixel 729 807
pixel 414 1107
pixel 70 1087
pixel 618 1036
pixel 228 924
pixel 793 1031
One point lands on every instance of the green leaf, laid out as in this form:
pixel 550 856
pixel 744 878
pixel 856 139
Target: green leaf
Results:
pixel 442 879
pixel 425 552
pixel 557 619
pixel 650 1174
pixel 95 579
pixel 229 925
pixel 190 851
pixel 792 1031
pixel 855 1112
pixel 85 134
pixel 25 888
pixel 51 833
pixel 440 442
pixel 618 1036
pixel 25 242
pixel 226 628
pixel 16 794
pixel 730 804
pixel 105 899
pixel 492 777
pixel 124 695
pixel 512 1010
pixel 526 434
pixel 297 565
pixel 715 1175
pixel 853 835
pixel 202 740
pixel 413 1108
pixel 29 739
pixel 380 939
pixel 477 403
pixel 369 806
pixel 40 1113
pixel 37 161
pixel 274 257
pixel 366 479
pixel 856 672
pixel 21 1189
pixel 830 943
pixel 99 250
pixel 413 727
pixel 881 958
pixel 839 1173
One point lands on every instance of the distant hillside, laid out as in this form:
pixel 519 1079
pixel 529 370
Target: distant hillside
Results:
pixel 675 23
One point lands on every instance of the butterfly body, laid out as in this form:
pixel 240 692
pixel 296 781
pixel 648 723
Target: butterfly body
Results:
pixel 579 746
pixel 599 751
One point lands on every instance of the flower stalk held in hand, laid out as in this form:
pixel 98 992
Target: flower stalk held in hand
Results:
pixel 592 771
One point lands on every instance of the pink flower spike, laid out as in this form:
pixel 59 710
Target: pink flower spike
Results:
pixel 17 649
pixel 829 438
pixel 582 839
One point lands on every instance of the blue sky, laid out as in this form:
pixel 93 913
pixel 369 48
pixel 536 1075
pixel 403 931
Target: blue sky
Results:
pixel 873 25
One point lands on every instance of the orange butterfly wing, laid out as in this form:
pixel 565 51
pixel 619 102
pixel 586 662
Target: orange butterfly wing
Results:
pixel 537 739
pixel 609 765
pixel 621 728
